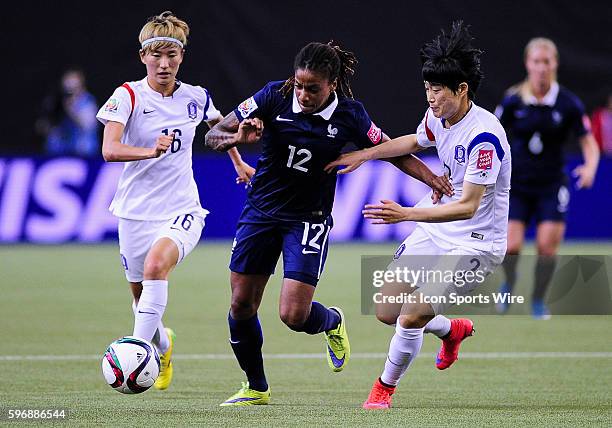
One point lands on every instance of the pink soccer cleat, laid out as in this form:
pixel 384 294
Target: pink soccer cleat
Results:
pixel 380 396
pixel 460 329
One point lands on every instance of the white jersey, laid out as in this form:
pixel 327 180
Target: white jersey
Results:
pixel 476 150
pixel 160 188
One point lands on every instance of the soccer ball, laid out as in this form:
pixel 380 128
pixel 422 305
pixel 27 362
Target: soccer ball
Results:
pixel 130 365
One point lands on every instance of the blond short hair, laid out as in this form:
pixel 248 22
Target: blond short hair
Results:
pixel 166 24
pixel 541 42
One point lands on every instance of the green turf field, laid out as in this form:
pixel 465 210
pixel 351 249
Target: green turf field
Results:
pixel 61 306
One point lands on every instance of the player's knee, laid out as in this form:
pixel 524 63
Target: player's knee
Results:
pixel 547 249
pixel 155 268
pixel 242 308
pixel 412 321
pixel 386 317
pixel 294 319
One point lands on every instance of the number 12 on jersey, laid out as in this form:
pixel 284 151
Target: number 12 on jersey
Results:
pixel 303 156
pixel 319 229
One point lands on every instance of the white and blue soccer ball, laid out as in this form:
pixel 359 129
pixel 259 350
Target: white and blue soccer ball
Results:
pixel 130 365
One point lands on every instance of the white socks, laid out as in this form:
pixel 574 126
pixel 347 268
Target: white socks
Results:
pixel 160 338
pixel 439 325
pixel 405 346
pixel 151 307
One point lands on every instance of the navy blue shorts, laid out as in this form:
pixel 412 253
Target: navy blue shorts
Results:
pixel 260 240
pixel 546 205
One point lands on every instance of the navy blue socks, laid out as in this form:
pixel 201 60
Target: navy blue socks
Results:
pixel 246 339
pixel 320 319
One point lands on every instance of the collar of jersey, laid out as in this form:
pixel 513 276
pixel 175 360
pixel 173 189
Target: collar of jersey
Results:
pixel 549 99
pixel 145 85
pixel 463 119
pixel 326 113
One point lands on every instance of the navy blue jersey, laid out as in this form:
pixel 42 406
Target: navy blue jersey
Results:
pixel 290 183
pixel 537 134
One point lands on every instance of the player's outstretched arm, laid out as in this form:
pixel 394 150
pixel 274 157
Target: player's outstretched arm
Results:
pixel 388 149
pixel 416 168
pixel 243 169
pixel 388 212
pixel 230 131
pixel 586 172
pixel 113 150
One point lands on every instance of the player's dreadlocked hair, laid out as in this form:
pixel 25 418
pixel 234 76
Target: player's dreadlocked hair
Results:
pixel 451 59
pixel 328 59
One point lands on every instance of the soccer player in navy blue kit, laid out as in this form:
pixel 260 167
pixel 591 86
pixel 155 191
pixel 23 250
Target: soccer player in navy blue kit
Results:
pixel 303 123
pixel 539 115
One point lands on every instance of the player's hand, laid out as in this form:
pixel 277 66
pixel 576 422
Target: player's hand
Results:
pixel 245 172
pixel 351 160
pixel 442 186
pixel 249 131
pixel 162 144
pixel 436 197
pixel 387 212
pixel 585 175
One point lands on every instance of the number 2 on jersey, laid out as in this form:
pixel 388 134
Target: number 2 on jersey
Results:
pixel 298 162
pixel 176 142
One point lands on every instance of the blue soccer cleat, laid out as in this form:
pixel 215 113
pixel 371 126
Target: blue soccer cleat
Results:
pixel 539 311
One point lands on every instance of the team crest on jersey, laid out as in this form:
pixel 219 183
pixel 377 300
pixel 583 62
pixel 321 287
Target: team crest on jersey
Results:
pixel 112 105
pixel 247 107
pixel 192 110
pixel 331 131
pixel 485 159
pixel 374 134
pixel 460 154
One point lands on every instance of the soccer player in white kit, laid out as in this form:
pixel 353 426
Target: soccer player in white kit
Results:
pixel 150 125
pixel 466 231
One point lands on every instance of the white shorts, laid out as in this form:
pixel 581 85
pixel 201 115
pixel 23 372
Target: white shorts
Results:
pixel 136 237
pixel 444 268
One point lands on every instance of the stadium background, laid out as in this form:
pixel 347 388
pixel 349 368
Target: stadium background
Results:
pixel 62 304
pixel 236 47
